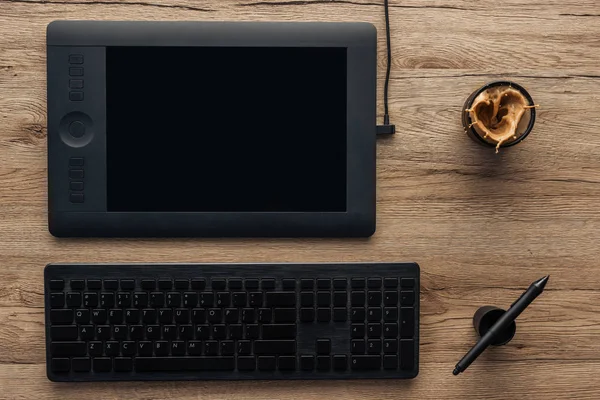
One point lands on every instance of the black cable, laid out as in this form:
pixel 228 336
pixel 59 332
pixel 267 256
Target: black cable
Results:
pixel 386 128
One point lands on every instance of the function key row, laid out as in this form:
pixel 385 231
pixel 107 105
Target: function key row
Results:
pixel 232 283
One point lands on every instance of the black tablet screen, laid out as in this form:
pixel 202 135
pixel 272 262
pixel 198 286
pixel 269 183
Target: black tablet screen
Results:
pixel 226 129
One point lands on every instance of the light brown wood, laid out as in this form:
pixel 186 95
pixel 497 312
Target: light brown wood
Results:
pixel 482 226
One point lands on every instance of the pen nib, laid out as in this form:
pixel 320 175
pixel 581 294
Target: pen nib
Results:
pixel 541 283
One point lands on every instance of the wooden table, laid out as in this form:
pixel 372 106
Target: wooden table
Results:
pixel 482 226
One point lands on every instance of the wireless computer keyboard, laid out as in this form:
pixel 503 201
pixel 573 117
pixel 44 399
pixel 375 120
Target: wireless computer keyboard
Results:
pixel 231 321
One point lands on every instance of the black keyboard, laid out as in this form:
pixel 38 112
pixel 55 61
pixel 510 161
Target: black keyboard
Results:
pixel 120 322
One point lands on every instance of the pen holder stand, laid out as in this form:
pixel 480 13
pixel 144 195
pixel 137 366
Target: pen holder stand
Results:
pixel 487 316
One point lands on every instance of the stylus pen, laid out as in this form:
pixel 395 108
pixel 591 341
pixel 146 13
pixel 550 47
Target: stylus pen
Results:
pixel 503 322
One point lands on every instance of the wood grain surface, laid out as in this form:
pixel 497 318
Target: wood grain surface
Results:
pixel 482 226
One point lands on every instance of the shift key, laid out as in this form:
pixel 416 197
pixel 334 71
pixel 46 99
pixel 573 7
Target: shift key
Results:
pixel 67 349
pixel 274 347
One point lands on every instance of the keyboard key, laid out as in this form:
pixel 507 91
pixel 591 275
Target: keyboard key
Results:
pixel 202 332
pixel 152 332
pixel 128 348
pixel 390 362
pixel 340 299
pixel 59 332
pixel 358 283
pixel 182 315
pixel 256 299
pixel 358 314
pixel 206 299
pixel 194 348
pixel 136 332
pixel 266 363
pixel 60 365
pixel 57 284
pixel 370 362
pixel 219 284
pixel 236 331
pixel 82 316
pixel 77 284
pixel 245 363
pixel 123 300
pixel 374 283
pixel 173 299
pixel 274 347
pixel 144 349
pixel 407 298
pixel 267 284
pixel 390 298
pixel 340 314
pixel 390 283
pixel 132 316
pixel 211 347
pixel 340 283
pixel 289 284
pixel 374 330
pixel 102 364
pixel 165 284
pixel 111 284
pixel 149 316
pixel 73 299
pixel 223 299
pixel 390 346
pixel 307 314
pixel 215 315
pixel 281 299
pixel 407 282
pixel 390 330
pixel 87 332
pixel 357 298
pixel 251 284
pixel 374 314
pixel 90 299
pixel 148 284
pixel 286 363
pixel 244 347
pixel 307 284
pixel 239 299
pixel 182 284
pixel 407 352
pixel 81 364
pixel 374 346
pixel 95 349
pixel 340 362
pixel 390 314
pixel 219 332
pixel 123 364
pixel 103 332
pixel 307 363
pixel 323 363
pixel 94 284
pixel 248 315
pixel 178 348
pixel 252 331
pixel 157 299
pixel 374 298
pixel 57 300
pixel 190 299
pixel 198 284
pixel 186 332
pixel 307 299
pixel 111 349
pixel 358 346
pixel 323 314
pixel 357 330
pixel 99 316
pixel 68 349
pixel 279 331
pixel 407 322
pixel 169 332
pixel 107 300
pixel 198 315
pixel 235 284
pixel 61 316
pixel 323 299
pixel 323 284
pixel 140 300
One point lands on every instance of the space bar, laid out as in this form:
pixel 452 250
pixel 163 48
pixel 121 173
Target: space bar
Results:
pixel 174 364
